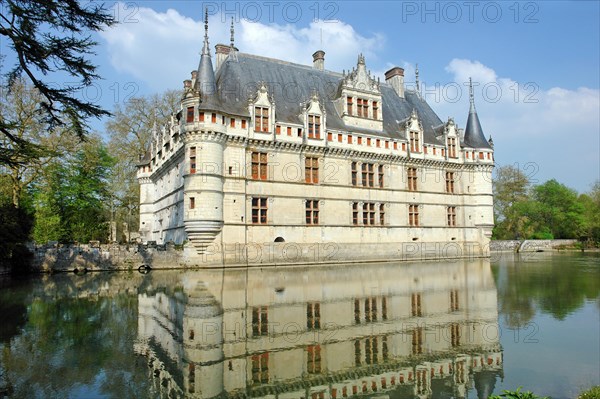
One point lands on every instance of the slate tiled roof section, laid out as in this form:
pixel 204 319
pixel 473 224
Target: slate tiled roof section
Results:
pixel 291 84
pixel 474 136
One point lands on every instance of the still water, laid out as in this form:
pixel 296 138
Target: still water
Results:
pixel 426 330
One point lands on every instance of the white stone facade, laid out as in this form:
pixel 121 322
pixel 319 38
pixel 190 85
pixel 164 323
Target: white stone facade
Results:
pixel 248 172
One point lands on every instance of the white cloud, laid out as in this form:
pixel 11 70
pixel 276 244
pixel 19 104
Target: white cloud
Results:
pixel 161 49
pixel 556 128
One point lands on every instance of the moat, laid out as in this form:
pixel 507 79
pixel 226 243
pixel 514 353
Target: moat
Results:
pixel 399 330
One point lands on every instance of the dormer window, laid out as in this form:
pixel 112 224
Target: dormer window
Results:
pixel 362 107
pixel 452 147
pixel 261 119
pixel 350 105
pixel 415 145
pixel 375 109
pixel 314 126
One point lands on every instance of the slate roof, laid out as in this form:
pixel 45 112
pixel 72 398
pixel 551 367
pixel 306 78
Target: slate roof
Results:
pixel 291 85
pixel 474 136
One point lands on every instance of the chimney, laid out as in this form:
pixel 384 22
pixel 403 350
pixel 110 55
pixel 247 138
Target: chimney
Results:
pixel 319 60
pixel 395 77
pixel 222 52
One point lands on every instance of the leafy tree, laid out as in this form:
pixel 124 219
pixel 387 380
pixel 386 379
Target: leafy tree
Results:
pixel 591 213
pixel 49 40
pixel 20 109
pixel 558 209
pixel 71 201
pixel 510 187
pixel 130 130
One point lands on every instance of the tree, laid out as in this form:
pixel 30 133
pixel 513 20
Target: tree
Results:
pixel 72 201
pixel 130 130
pixel 20 107
pixel 50 39
pixel 558 209
pixel 591 211
pixel 510 187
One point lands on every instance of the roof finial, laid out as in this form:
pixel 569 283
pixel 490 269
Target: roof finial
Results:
pixel 417 84
pixel 206 49
pixel 232 31
pixel 471 97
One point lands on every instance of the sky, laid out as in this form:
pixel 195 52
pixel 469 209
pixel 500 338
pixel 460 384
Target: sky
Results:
pixel 535 65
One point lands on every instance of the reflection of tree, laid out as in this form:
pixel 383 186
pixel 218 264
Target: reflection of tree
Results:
pixel 72 342
pixel 555 285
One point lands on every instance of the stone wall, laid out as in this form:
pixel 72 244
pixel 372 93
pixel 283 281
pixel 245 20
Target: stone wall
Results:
pixel 115 257
pixel 528 245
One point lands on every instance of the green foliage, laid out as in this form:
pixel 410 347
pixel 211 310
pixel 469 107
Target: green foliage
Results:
pixel 16 226
pixel 592 393
pixel 48 38
pixel 71 201
pixel 517 395
pixel 547 211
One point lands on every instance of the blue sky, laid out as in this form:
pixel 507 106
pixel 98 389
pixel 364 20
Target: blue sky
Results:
pixel 536 64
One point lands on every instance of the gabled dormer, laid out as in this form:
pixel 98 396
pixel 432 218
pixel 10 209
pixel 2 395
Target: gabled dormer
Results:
pixel 451 139
pixel 314 118
pixel 414 133
pixel 359 101
pixel 262 110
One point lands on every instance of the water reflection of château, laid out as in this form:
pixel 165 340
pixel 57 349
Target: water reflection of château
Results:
pixel 389 330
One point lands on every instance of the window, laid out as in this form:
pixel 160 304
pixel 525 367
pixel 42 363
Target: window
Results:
pixel 223 119
pixel 213 118
pixel 387 144
pixel 340 137
pixel 299 132
pixel 313 315
pixel 259 210
pixel 357 311
pixel 232 122
pixel 371 350
pixel 480 155
pixel 243 123
pixel 414 142
pixel 311 170
pixel 383 308
pixel 190 115
pixel 382 214
pixel 455 334
pixel 370 309
pixel 192 203
pixel 260 321
pixel 403 146
pixel 329 136
pixel 259 166
pixel 412 179
pixel 395 145
pixel 355 213
pixel 375 109
pixel 201 116
pixel 349 139
pixel 289 131
pixel 380 175
pixel 452 216
pixel 362 107
pixel 450 182
pixel 314 126
pixel 192 159
pixel 417 341
pixel 368 213
pixel 368 175
pixel 368 141
pixel 378 143
pixel 354 173
pixel 312 212
pixel 260 368
pixel 415 303
pixel 413 215
pixel 454 301
pixel 313 363
pixel 349 105
pixel 451 147
pixel 359 140
pixel 261 119
pixel 278 129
